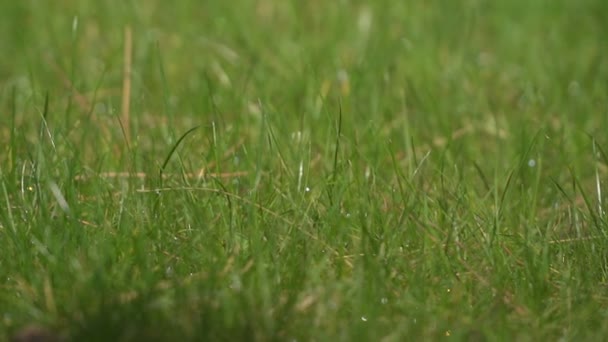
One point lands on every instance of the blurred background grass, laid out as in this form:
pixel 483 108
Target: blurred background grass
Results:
pixel 463 123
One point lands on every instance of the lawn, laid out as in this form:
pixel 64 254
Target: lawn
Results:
pixel 304 170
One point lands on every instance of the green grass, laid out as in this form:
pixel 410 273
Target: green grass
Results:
pixel 381 170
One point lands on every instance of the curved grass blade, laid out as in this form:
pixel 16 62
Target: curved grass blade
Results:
pixel 162 168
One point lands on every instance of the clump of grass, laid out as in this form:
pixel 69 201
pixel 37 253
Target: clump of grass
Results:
pixel 377 171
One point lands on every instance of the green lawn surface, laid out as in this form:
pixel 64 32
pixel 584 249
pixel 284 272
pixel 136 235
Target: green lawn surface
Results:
pixel 304 170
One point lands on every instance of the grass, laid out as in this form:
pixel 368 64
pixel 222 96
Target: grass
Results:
pixel 287 170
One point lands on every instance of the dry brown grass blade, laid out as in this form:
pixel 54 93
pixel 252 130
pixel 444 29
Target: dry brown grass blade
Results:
pixel 575 239
pixel 142 175
pixel 126 84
